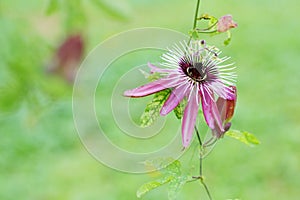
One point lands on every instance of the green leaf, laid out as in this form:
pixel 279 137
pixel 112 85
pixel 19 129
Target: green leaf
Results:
pixel 147 187
pixel 151 112
pixel 179 109
pixel 176 185
pixel 251 138
pixel 171 173
pixel 173 168
pixel 243 136
pixel 52 7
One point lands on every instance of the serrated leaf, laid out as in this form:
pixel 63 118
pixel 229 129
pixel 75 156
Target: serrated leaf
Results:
pixel 243 136
pixel 173 168
pixel 152 109
pixel 171 173
pixel 175 186
pixel 147 187
pixel 179 109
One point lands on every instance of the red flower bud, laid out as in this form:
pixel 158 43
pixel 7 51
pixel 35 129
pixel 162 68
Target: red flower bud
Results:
pixel 230 106
pixel 226 108
pixel 68 57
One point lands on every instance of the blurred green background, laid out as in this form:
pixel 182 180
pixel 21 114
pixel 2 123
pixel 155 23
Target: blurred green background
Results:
pixel 41 156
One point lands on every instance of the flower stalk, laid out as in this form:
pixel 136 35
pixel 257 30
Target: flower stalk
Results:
pixel 200 177
pixel 196 14
pixel 197 77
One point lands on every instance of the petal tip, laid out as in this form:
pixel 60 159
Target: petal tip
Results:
pixel 186 143
pixel 163 112
pixel 128 93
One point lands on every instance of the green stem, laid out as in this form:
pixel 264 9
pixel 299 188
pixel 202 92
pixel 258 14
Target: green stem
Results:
pixel 196 14
pixel 200 143
pixel 198 136
pixel 195 19
pixel 208 28
pixel 206 189
pixel 201 165
pixel 199 31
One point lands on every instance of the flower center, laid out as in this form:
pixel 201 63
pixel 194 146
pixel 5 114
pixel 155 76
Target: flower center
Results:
pixel 196 71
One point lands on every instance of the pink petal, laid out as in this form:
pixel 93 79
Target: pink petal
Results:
pixel 231 93
pixel 151 88
pixel 210 110
pixel 175 97
pixel 158 70
pixel 189 119
pixel 225 23
pixel 221 104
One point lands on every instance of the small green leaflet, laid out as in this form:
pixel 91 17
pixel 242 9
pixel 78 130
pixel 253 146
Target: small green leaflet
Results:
pixel 243 136
pixel 194 34
pixel 152 109
pixel 171 175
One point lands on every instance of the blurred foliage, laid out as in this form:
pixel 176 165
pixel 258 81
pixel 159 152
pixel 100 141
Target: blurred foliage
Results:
pixel 75 12
pixel 25 54
pixel 23 59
